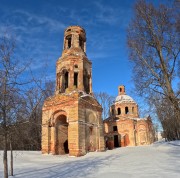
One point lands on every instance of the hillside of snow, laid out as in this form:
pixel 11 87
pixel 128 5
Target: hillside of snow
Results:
pixel 161 159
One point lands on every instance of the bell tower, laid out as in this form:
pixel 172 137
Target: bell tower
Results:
pixel 71 119
pixel 73 69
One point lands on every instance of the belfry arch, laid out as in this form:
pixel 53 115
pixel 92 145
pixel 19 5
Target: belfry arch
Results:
pixel 62 80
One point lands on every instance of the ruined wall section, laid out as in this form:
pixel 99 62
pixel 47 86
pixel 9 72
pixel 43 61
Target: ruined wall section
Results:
pixel 91 127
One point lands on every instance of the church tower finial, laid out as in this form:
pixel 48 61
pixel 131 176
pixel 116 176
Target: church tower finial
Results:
pixel 121 90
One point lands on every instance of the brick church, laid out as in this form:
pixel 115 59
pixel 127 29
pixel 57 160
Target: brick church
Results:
pixel 71 121
pixel 124 127
pixel 72 118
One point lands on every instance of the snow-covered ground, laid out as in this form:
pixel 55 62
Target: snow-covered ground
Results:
pixel 159 160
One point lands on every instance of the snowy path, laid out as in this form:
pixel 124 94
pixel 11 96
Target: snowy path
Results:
pixel 160 160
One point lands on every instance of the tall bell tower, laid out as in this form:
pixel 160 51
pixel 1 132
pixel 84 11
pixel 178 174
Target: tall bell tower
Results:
pixel 73 69
pixel 71 119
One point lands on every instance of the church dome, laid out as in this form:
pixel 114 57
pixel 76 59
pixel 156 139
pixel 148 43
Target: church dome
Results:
pixel 124 99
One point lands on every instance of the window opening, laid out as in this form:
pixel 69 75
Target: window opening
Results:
pixel 114 128
pixel 66 80
pixel 69 42
pixel 126 110
pixel 86 83
pixel 119 111
pixel 116 141
pixel 81 44
pixel 76 79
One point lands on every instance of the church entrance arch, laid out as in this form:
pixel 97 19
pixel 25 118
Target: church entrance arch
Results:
pixel 61 135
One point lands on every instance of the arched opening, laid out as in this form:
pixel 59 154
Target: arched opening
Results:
pixel 86 81
pixel 69 39
pixel 81 43
pixel 66 78
pixel 63 80
pixel 76 79
pixel 119 111
pixel 61 135
pixel 126 110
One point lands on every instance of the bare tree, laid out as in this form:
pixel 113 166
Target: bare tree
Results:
pixel 167 117
pixel 10 90
pixel 154 46
pixel 8 76
pixel 106 101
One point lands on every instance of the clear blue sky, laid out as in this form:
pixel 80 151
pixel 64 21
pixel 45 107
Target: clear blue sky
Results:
pixel 39 29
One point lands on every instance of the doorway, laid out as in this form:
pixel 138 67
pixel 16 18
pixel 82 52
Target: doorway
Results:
pixel 116 141
pixel 66 149
pixel 61 135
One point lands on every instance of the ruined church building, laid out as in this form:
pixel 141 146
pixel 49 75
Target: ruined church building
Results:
pixel 71 119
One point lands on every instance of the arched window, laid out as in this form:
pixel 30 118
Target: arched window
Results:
pixel 126 110
pixel 86 80
pixel 81 43
pixel 76 79
pixel 66 79
pixel 68 41
pixel 119 111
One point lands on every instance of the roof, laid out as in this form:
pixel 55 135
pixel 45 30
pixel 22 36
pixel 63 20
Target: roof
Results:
pixel 124 99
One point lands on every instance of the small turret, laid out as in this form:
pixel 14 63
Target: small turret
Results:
pixel 121 90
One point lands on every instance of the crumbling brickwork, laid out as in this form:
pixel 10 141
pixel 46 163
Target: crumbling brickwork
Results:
pixel 71 121
pixel 124 127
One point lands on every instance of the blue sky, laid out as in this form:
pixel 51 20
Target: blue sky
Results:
pixel 39 26
pixel 39 29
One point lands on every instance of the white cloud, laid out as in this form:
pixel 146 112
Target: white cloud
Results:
pixel 52 24
pixel 111 15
